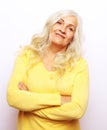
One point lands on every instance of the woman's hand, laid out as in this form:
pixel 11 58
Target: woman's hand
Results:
pixel 65 99
pixel 22 86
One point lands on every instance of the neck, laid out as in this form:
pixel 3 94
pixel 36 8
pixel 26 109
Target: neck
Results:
pixel 53 49
pixel 49 55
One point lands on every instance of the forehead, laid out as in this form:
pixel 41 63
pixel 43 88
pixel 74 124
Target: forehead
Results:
pixel 70 20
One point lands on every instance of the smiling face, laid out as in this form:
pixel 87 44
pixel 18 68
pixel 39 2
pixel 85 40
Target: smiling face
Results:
pixel 62 32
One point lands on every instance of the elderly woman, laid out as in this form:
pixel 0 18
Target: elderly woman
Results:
pixel 50 80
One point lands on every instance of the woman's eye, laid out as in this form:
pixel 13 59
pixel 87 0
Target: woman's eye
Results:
pixel 71 29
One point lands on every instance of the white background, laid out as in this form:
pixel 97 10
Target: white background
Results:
pixel 20 19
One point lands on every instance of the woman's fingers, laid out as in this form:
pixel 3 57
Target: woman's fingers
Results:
pixel 22 86
pixel 65 99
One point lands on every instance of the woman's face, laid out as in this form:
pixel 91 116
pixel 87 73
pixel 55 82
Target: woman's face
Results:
pixel 63 30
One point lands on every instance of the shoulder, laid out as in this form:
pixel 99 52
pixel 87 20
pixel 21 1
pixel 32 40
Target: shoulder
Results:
pixel 82 61
pixel 78 65
pixel 81 64
pixel 25 55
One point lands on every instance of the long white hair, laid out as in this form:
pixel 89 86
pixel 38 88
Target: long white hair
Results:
pixel 40 41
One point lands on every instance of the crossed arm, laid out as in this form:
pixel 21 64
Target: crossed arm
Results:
pixel 52 106
pixel 69 108
pixel 64 98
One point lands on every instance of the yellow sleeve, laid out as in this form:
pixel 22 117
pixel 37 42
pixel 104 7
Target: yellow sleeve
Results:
pixel 26 100
pixel 76 108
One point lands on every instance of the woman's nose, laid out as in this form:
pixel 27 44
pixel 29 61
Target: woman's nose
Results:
pixel 63 29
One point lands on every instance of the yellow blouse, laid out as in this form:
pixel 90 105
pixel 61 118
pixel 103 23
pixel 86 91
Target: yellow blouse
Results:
pixel 40 108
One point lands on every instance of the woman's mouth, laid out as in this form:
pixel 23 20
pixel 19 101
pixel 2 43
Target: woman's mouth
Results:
pixel 60 35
